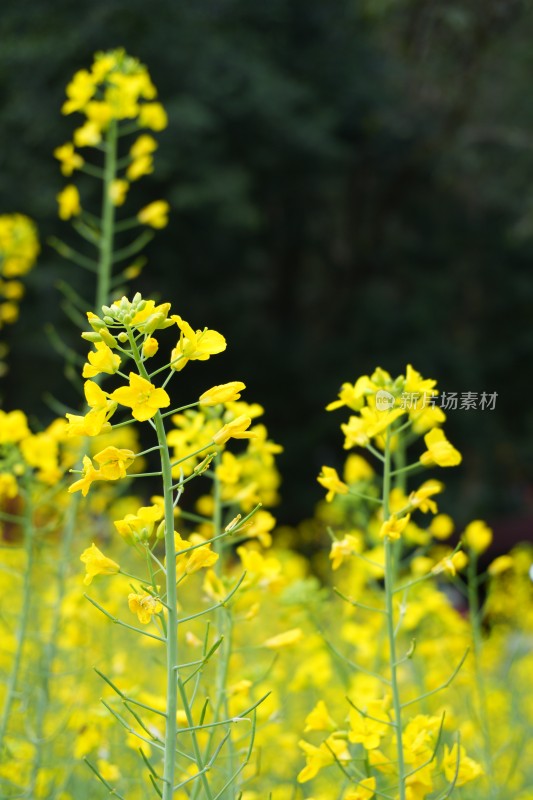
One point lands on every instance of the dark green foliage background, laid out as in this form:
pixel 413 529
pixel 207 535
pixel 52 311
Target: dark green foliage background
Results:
pixel 350 185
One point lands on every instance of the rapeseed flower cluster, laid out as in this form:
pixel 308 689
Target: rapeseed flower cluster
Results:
pixel 403 753
pixel 115 92
pixel 19 248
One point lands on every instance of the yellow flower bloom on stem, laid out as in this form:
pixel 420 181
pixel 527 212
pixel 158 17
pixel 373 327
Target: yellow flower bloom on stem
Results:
pixel 342 548
pixel 458 762
pixel 143 145
pixel 69 202
pixel 418 738
pixel 357 469
pixel 421 498
pixel 142 397
pixel 195 345
pixel 236 429
pixel 13 426
pixel 225 393
pixel 366 731
pixel 439 450
pixel 199 558
pixel 319 719
pixel 79 91
pixel 451 564
pixel 377 422
pixel 477 536
pixel 68 158
pixel 330 480
pixel 114 462
pixel 97 419
pixel 416 384
pixel 419 785
pixel 155 214
pixel 145 606
pixel 139 526
pixel 441 526
pixel 363 791
pixel 501 564
pixel 319 757
pixel 150 347
pixel 88 135
pixel 393 527
pixel 151 317
pixel 153 116
pixel 355 433
pixel 259 527
pixel 19 245
pixel 97 564
pixel 89 474
pixel 353 396
pixel 101 359
pixel 139 167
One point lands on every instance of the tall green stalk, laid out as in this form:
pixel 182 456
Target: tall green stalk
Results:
pixel 13 679
pixel 174 685
pixel 390 572
pixel 224 628
pixel 105 259
pixel 475 625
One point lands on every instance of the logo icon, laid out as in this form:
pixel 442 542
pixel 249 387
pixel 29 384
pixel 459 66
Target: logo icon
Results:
pixel 384 400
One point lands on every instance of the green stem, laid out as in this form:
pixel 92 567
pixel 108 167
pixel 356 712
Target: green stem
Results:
pixel 390 571
pixel 12 681
pixel 475 623
pixel 224 628
pixel 172 614
pixel 50 648
pixel 105 261
pixel 174 682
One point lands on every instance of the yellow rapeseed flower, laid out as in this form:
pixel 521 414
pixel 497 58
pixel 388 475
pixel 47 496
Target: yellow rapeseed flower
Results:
pixel 88 475
pixel 114 462
pixel 195 345
pixel 224 393
pixel 155 214
pixel 97 564
pixel 101 359
pixel 150 347
pixel 456 761
pixel 393 527
pixel 68 158
pixel 142 397
pixel 369 730
pixel 330 480
pixel 145 606
pixel 319 719
pixel 69 202
pixel 236 429
pixel 439 450
pixel 153 116
pixel 363 791
pixel 477 536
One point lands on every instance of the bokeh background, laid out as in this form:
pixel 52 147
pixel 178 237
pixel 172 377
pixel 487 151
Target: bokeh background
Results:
pixel 351 186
